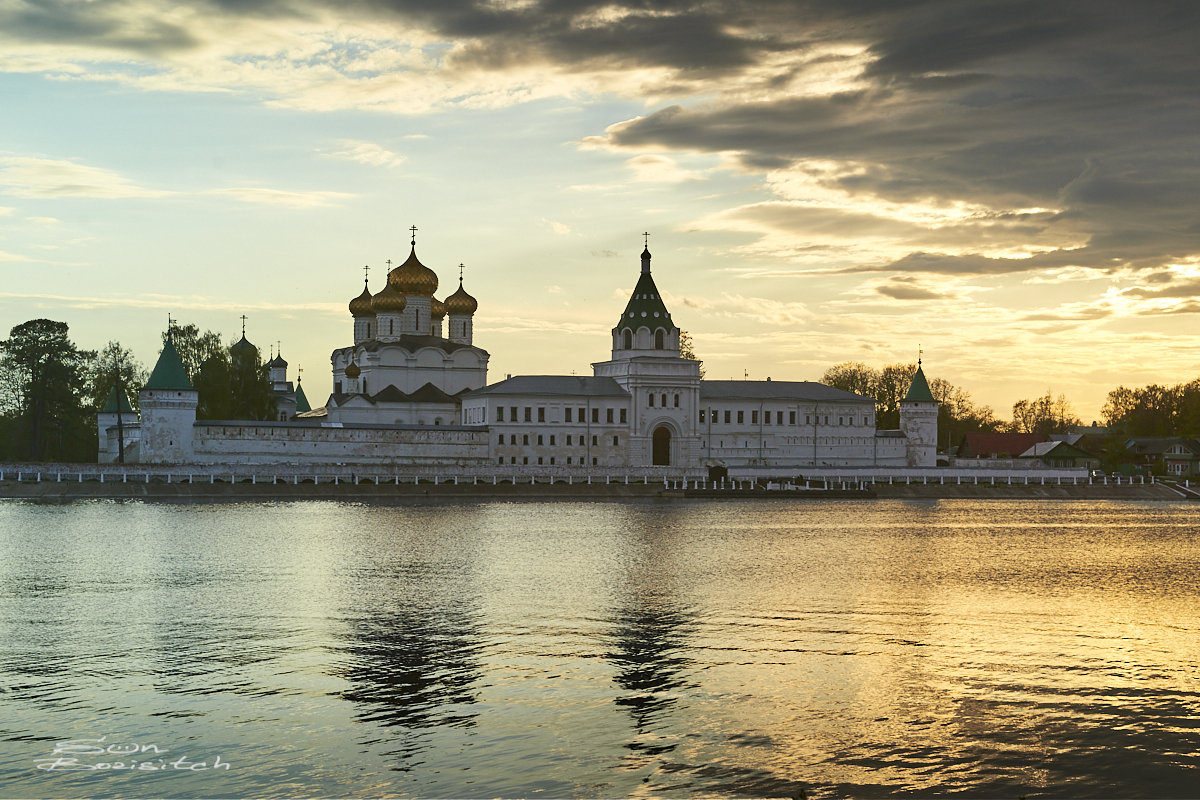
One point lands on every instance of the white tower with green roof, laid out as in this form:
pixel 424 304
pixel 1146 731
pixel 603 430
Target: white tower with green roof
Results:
pixel 918 422
pixel 168 405
pixel 115 419
pixel 664 388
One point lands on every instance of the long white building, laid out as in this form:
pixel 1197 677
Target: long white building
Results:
pixel 412 389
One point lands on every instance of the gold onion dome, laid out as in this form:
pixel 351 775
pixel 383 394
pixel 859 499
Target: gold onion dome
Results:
pixel 352 370
pixel 388 301
pixel 437 309
pixel 413 277
pixel 361 305
pixel 460 302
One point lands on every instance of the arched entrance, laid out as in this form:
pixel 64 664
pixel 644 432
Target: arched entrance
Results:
pixel 662 446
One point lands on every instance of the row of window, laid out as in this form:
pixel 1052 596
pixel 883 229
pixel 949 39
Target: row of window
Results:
pixel 663 400
pixel 809 419
pixel 525 460
pixel 570 414
pixel 512 439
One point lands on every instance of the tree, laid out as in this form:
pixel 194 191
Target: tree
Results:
pixel 194 347
pixel 46 394
pixel 686 351
pixel 852 376
pixel 1043 415
pixel 112 362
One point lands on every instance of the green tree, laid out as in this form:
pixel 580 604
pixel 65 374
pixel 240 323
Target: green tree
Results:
pixel 1044 415
pixel 686 351
pixel 111 363
pixel 852 376
pixel 194 347
pixel 46 394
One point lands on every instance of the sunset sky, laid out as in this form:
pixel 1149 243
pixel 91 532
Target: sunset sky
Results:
pixel 1012 186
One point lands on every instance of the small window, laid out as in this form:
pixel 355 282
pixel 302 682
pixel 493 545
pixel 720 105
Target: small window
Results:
pixel 568 440
pixel 677 401
pixel 741 417
pixel 791 418
pixel 500 460
pixel 337 387
pixel 702 416
pixel 528 414
pixel 726 416
pixel 651 399
pixel 608 416
pixel 539 440
pixel 501 439
pixel 595 441
pixel 753 417
pixel 568 459
pixel 778 417
pixel 567 413
pixel 499 413
pixel 539 460
pixel 512 414
pixel 512 460
pixel 627 339
pixel 551 459
pixel 659 339
pixel 525 459
pixel 594 461
pixel 623 416
pixel 615 441
pixel 664 400
pixel 524 439
pixel 552 440
pixel 596 415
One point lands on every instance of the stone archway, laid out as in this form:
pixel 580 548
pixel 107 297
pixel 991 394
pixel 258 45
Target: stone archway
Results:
pixel 661 440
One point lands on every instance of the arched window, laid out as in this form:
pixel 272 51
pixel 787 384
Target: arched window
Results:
pixel 391 327
pixel 659 337
pixel 628 339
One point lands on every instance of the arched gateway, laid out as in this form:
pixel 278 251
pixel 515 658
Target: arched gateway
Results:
pixel 662 446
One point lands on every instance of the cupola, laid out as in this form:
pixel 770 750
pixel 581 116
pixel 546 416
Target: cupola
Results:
pixel 413 277
pixel 388 301
pixel 461 303
pixel 361 306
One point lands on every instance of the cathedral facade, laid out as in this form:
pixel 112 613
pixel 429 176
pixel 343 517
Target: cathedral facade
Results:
pixel 412 389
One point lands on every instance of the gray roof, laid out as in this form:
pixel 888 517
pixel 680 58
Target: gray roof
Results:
pixel 576 385
pixel 776 390
pixel 412 343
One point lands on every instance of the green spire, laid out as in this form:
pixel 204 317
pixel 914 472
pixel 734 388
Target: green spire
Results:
pixel 919 390
pixel 301 401
pixel 110 405
pixel 169 372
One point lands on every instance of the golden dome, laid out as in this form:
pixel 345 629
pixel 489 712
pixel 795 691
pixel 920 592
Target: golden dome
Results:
pixel 413 277
pixel 437 309
pixel 352 370
pixel 361 305
pixel 461 303
pixel 388 301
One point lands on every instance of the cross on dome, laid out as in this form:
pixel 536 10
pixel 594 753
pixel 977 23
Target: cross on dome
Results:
pixel 414 235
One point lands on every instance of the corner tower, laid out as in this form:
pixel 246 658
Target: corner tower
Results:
pixel 168 405
pixel 918 422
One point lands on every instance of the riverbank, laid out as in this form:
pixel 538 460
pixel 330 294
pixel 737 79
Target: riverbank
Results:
pixel 184 492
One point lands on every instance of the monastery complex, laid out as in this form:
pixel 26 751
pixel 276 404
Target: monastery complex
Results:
pixel 411 389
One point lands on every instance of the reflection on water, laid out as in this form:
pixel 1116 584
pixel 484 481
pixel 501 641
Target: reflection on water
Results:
pixel 598 649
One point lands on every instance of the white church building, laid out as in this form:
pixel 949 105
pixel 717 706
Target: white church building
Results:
pixel 412 390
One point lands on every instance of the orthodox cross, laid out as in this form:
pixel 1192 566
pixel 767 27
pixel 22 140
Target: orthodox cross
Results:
pixel 920 352
pixel 366 273
pixel 278 348
pixel 243 326
pixel 460 273
pixel 299 374
pixel 646 238
pixel 169 323
pixel 414 235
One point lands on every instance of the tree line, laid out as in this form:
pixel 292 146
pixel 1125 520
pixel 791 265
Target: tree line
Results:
pixel 51 389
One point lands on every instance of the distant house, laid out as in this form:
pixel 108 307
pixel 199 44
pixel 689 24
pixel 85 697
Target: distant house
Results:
pixel 1177 455
pixel 1061 454
pixel 997 445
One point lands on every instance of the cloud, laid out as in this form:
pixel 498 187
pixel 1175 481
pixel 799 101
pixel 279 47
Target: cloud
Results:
pixel 368 153
pixel 159 301
pixel 280 197
pixel 560 228
pixel 660 169
pixel 56 178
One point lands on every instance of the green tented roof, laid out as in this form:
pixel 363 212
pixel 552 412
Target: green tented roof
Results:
pixel 169 372
pixel 110 405
pixel 301 401
pixel 919 390
pixel 645 307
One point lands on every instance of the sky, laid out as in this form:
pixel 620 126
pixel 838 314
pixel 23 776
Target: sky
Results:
pixel 1011 187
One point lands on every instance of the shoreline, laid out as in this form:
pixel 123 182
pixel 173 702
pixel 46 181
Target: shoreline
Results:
pixel 66 492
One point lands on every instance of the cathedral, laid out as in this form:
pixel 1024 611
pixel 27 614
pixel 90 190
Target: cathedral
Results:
pixel 411 390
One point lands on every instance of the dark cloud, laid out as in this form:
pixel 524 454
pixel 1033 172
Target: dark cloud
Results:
pixel 906 291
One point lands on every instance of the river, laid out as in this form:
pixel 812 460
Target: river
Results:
pixel 600 649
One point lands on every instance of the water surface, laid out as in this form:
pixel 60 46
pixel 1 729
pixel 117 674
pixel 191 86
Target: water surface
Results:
pixel 983 648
